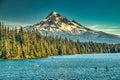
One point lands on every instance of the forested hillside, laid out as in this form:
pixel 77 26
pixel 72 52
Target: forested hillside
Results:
pixel 20 44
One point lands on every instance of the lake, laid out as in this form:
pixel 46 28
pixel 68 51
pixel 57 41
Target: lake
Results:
pixel 67 67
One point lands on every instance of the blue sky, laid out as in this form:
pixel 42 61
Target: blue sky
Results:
pixel 103 15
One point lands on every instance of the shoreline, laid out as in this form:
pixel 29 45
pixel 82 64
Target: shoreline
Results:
pixel 58 55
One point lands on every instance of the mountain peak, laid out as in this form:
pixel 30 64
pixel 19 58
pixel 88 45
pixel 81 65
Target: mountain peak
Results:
pixel 57 22
pixel 54 13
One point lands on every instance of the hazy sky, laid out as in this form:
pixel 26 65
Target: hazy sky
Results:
pixel 96 14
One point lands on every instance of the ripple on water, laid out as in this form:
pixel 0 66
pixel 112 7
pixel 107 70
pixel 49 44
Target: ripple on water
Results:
pixel 62 68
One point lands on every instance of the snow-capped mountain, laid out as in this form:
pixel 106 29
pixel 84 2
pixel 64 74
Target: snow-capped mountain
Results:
pixel 57 25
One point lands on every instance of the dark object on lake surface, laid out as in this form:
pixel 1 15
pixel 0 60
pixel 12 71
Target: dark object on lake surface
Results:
pixel 106 68
pixel 96 68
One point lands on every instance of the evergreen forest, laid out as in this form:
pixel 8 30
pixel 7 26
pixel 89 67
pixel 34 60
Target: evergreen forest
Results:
pixel 22 44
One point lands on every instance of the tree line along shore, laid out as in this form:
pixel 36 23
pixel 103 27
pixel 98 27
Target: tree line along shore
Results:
pixel 22 44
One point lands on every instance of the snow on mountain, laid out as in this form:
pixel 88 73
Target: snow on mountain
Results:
pixel 57 25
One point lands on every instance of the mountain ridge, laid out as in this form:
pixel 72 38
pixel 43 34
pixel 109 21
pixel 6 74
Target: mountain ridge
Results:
pixel 57 25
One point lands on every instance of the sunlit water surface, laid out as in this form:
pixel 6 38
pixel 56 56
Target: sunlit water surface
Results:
pixel 68 67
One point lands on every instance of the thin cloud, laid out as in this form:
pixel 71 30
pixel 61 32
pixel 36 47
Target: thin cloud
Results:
pixel 107 29
pixel 8 23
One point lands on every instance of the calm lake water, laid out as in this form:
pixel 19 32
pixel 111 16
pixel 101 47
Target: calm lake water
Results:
pixel 68 67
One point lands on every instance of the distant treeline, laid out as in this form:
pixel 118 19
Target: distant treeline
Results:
pixel 21 44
